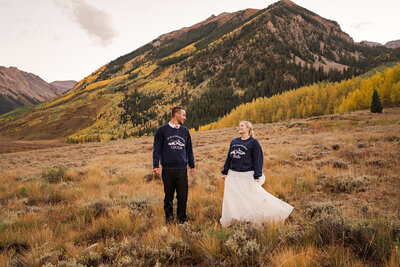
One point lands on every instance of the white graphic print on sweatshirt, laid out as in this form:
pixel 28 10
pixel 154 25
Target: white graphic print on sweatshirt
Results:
pixel 176 142
pixel 237 153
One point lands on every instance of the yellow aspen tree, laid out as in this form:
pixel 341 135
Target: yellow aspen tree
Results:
pixel 299 111
pixel 279 114
pixel 289 114
pixel 384 90
pixel 395 95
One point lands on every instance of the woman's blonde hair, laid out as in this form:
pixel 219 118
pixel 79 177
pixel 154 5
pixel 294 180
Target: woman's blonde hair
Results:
pixel 250 126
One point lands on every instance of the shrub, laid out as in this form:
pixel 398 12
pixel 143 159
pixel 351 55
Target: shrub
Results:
pixel 242 245
pixel 315 209
pixel 151 177
pixel 55 175
pixel 348 184
pixel 335 163
pixel 368 239
pixel 375 162
pixel 98 208
pixel 139 206
pixel 340 164
pixel 335 147
pixel 344 183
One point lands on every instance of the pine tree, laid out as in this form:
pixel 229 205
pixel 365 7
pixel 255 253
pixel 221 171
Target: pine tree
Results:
pixel 376 105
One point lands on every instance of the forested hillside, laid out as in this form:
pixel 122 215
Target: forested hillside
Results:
pixel 318 99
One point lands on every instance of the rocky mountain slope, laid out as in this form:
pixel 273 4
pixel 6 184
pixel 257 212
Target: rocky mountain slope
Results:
pixel 19 88
pixel 391 44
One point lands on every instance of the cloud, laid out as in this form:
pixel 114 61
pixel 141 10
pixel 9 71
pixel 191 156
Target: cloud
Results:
pixel 361 25
pixel 95 22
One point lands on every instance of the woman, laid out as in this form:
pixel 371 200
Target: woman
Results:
pixel 244 197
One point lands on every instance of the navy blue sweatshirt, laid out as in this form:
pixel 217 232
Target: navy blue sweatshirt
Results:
pixel 173 147
pixel 244 155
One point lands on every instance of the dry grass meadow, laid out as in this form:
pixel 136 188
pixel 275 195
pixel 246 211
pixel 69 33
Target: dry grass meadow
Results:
pixel 99 204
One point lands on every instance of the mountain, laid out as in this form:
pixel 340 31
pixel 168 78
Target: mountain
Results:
pixel 391 44
pixel 19 88
pixel 209 68
pixel 371 44
pixel 63 86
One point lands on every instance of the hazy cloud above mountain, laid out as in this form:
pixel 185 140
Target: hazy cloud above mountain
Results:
pixel 95 22
pixel 361 25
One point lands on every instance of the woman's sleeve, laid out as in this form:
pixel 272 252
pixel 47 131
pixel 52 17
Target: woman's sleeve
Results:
pixel 227 162
pixel 258 159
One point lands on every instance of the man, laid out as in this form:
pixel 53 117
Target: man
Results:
pixel 173 146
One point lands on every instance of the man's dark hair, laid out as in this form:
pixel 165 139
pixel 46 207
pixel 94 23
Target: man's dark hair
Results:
pixel 175 110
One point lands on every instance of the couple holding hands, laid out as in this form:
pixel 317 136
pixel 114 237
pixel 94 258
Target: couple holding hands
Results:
pixel 244 197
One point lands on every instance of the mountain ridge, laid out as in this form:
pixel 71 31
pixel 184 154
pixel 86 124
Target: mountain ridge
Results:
pixel 390 44
pixel 63 86
pixel 19 88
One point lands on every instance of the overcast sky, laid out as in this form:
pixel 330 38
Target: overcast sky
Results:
pixel 69 39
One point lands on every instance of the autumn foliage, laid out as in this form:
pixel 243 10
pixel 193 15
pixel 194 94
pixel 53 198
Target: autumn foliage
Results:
pixel 318 99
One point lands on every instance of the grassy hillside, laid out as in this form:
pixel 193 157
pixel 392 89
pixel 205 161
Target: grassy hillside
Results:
pixel 380 68
pixel 98 203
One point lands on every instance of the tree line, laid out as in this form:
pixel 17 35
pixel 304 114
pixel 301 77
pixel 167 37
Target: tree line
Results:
pixel 318 99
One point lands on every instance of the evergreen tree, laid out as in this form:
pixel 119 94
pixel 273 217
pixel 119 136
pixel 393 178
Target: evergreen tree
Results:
pixel 376 105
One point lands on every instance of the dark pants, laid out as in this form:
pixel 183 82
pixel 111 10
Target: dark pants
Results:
pixel 175 180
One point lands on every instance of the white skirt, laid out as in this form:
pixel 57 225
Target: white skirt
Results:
pixel 246 200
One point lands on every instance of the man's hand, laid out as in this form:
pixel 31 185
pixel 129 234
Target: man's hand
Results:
pixel 193 171
pixel 156 170
pixel 223 177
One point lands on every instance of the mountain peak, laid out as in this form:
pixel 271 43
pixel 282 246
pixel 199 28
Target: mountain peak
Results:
pixel 289 2
pixel 10 69
pixel 370 43
pixel 220 19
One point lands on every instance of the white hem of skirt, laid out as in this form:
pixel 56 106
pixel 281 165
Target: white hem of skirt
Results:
pixel 246 200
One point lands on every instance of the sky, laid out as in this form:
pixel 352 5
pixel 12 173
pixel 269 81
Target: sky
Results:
pixel 70 39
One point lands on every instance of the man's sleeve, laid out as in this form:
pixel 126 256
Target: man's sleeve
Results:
pixel 258 159
pixel 189 151
pixel 158 141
